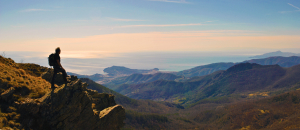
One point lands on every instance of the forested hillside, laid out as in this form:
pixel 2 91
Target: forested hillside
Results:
pixel 240 79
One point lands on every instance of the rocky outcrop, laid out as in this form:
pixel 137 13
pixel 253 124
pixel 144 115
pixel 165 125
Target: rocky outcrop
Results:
pixel 71 106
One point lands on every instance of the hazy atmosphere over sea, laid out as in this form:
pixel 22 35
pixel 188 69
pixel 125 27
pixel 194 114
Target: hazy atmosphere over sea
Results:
pixel 171 61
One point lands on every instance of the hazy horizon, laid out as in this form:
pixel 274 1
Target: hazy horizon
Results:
pixel 165 61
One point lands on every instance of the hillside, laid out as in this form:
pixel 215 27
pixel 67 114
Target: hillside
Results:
pixel 240 79
pixel 278 112
pixel 27 102
pixel 281 61
pixel 142 78
pixel 205 69
pixel 120 70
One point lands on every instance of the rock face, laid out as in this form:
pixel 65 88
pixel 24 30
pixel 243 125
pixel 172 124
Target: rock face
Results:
pixel 71 106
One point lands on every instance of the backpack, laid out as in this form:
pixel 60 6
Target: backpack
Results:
pixel 51 59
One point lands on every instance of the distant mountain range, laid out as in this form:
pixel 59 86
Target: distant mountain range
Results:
pixel 277 53
pixel 240 78
pixel 117 75
pixel 281 61
pixel 210 68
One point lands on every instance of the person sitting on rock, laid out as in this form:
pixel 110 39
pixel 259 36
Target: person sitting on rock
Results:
pixel 58 68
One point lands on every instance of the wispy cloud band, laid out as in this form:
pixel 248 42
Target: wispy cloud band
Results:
pixel 298 9
pixel 110 19
pixel 34 10
pixel 165 25
pixel 294 6
pixel 125 20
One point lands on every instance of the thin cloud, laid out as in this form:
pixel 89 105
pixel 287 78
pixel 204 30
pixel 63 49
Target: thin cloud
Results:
pixel 211 21
pixel 171 1
pixel 125 20
pixel 298 9
pixel 34 10
pixel 294 6
pixel 165 25
pixel 109 19
pixel 81 20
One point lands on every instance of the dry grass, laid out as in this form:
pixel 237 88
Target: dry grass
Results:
pixel 25 81
pixel 24 84
pixel 259 94
pixel 32 69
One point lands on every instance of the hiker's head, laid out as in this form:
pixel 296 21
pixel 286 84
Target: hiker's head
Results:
pixel 57 50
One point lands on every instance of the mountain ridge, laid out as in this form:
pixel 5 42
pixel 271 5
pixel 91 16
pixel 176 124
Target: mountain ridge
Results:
pixel 253 77
pixel 276 54
pixel 114 79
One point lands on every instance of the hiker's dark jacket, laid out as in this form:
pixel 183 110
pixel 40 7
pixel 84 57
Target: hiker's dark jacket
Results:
pixel 56 57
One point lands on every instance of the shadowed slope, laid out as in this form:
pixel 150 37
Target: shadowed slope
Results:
pixel 277 112
pixel 239 79
pixel 142 78
pixel 205 69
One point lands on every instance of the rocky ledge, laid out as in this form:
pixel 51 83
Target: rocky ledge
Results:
pixel 71 106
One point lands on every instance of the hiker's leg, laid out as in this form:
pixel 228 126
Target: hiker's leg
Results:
pixel 53 77
pixel 64 74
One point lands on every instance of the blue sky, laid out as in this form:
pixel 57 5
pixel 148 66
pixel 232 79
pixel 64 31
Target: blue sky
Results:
pixel 149 25
pixel 145 34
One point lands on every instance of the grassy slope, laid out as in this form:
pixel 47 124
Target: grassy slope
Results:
pixel 29 85
pixel 25 84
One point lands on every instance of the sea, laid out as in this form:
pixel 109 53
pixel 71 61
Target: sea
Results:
pixel 164 61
